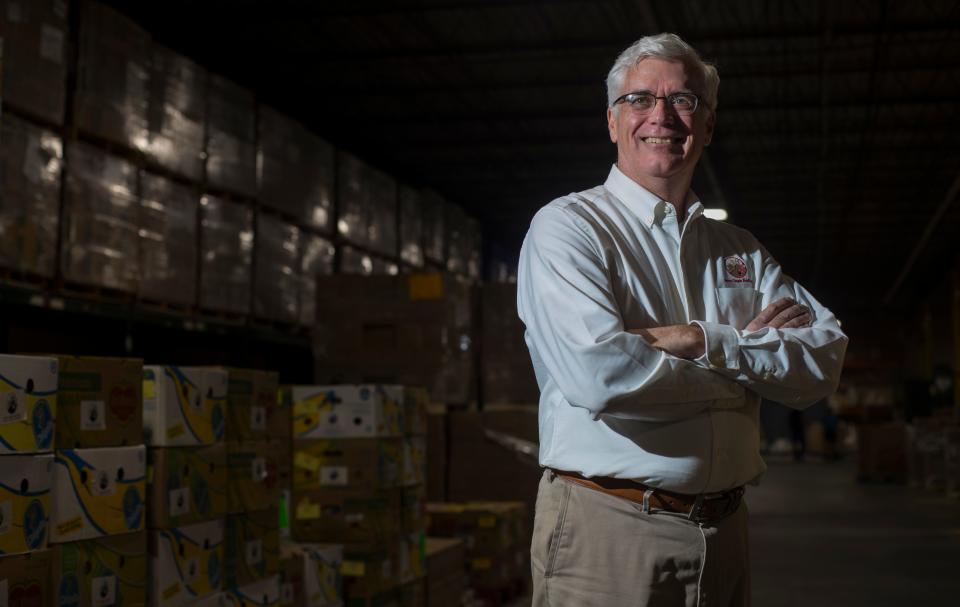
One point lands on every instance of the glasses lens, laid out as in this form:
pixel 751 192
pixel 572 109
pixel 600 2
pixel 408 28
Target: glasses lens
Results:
pixel 684 103
pixel 641 101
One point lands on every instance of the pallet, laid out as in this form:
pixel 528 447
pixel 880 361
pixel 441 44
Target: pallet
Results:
pixel 96 293
pixel 23 279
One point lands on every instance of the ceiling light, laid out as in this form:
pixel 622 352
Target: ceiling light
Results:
pixel 718 214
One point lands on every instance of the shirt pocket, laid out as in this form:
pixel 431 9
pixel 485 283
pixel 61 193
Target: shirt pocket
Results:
pixel 737 306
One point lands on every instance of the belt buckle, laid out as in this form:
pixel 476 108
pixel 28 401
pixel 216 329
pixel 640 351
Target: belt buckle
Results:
pixel 697 507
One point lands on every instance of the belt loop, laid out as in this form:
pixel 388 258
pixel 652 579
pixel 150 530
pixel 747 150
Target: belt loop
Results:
pixel 697 504
pixel 646 500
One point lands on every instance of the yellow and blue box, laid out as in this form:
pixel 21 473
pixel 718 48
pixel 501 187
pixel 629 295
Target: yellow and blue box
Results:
pixel 355 463
pixel 186 563
pixel 414 460
pixel 252 547
pixel 184 406
pixel 310 575
pixel 25 580
pixel 347 411
pixel 25 485
pixel 186 485
pixel 28 403
pixel 104 571
pixel 412 556
pixel 254 470
pixel 98 492
pixel 262 593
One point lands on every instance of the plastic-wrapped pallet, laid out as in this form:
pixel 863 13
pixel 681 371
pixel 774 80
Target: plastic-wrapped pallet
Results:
pixel 175 113
pixel 411 226
pixel 295 170
pixel 31 159
pixel 226 234
pixel 112 75
pixel 434 234
pixel 34 34
pixel 368 210
pixel 168 240
pixel 354 261
pixel 316 260
pixel 232 135
pixel 455 222
pixel 101 219
pixel 276 287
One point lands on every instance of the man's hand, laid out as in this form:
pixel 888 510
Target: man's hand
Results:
pixel 683 341
pixel 782 314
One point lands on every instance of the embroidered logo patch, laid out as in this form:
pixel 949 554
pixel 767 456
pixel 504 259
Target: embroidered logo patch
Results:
pixel 735 269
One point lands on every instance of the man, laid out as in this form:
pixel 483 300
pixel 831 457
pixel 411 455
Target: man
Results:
pixel 654 332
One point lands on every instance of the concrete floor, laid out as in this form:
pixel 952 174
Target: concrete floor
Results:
pixel 820 538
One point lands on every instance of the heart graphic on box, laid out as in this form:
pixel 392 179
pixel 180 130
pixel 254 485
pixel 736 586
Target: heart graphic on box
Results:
pixel 123 402
pixel 26 595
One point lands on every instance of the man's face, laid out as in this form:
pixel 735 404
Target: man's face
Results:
pixel 642 158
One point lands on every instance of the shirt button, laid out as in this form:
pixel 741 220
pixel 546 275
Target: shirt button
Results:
pixel 768 375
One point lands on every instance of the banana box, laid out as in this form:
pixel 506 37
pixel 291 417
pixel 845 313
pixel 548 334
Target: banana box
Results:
pixel 184 406
pixel 25 485
pixel 413 515
pixel 186 563
pixel 346 516
pixel 186 485
pixel 252 547
pixel 99 402
pixel 25 580
pixel 357 463
pixel 414 460
pixel 368 573
pixel 416 401
pixel 251 398
pixel 346 411
pixel 310 575
pixel 412 556
pixel 98 492
pixel 253 475
pixel 28 403
pixel 262 593
pixel 110 570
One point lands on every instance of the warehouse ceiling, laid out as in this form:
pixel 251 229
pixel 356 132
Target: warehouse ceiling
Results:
pixel 836 132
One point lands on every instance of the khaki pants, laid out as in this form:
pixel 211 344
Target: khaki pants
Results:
pixel 593 549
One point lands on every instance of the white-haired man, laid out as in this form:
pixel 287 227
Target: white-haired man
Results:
pixel 654 332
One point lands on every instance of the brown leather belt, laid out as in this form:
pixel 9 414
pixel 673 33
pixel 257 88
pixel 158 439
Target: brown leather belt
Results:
pixel 699 508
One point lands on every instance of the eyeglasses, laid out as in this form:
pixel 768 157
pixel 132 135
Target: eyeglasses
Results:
pixel 643 102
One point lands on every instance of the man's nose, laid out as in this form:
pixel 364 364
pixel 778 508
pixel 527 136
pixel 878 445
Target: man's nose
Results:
pixel 661 112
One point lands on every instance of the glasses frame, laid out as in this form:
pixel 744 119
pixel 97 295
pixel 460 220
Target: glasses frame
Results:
pixel 666 100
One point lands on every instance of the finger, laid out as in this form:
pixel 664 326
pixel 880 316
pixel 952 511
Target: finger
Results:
pixel 771 311
pixel 788 315
pixel 800 321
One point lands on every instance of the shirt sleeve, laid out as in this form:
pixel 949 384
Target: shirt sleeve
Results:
pixel 796 367
pixel 574 328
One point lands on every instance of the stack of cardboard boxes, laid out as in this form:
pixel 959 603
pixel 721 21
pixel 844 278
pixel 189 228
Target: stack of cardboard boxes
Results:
pixel 446 577
pixel 357 483
pixel 28 388
pixel 98 507
pixel 496 541
pixel 183 415
pixel 506 371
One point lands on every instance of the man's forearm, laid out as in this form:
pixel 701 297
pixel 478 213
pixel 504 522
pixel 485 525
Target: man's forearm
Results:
pixel 682 341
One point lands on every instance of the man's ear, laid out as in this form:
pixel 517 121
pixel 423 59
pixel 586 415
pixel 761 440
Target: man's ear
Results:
pixel 612 124
pixel 711 122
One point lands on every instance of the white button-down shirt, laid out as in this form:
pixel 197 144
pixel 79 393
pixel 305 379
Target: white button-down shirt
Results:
pixel 598 263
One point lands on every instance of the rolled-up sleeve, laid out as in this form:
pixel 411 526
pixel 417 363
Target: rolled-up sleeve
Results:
pixel 576 334
pixel 796 367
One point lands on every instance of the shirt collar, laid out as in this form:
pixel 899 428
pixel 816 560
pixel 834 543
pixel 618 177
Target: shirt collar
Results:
pixel 647 205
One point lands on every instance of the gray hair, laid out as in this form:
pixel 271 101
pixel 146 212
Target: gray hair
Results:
pixel 663 46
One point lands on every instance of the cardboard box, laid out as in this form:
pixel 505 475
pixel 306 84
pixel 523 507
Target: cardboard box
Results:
pixel 186 563
pixel 28 409
pixel 25 485
pixel 414 460
pixel 446 591
pixel 262 593
pixel 346 411
pixel 412 556
pixel 413 513
pixel 251 395
pixel 368 573
pixel 254 470
pixel 186 485
pixel 346 516
pixel 437 457
pixel 25 580
pixel 414 594
pixel 489 529
pixel 184 406
pixel 355 463
pixel 310 575
pixel 99 402
pixel 98 492
pixel 416 401
pixel 252 547
pixel 445 557
pixel 109 570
